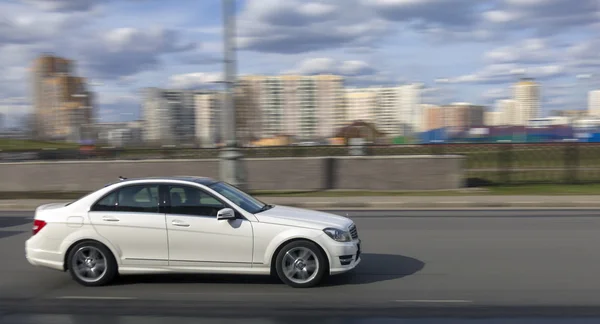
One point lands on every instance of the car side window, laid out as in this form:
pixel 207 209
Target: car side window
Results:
pixel 108 203
pixel 138 198
pixel 186 200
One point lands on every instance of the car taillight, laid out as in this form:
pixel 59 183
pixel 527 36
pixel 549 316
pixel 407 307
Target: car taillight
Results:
pixel 38 225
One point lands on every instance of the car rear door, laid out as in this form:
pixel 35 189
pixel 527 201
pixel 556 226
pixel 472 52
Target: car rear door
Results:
pixel 132 220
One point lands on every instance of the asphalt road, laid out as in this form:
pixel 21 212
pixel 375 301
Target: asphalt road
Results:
pixel 416 264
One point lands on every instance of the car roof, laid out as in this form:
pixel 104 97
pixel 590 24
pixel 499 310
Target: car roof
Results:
pixel 200 180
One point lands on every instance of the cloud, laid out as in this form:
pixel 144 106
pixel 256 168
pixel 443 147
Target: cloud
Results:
pixel 546 17
pixel 64 5
pixel 295 26
pixel 195 80
pixel 290 12
pixel 584 54
pixel 126 51
pixel 495 94
pixel 323 65
pixel 533 50
pixel 427 12
pixel 509 72
pixel 18 26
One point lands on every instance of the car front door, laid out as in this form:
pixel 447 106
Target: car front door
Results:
pixel 197 239
pixel 132 220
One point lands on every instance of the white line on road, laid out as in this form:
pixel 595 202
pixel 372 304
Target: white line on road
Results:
pixel 433 301
pixel 454 202
pixel 94 297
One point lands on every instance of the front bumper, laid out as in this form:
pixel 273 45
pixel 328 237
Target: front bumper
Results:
pixel 345 256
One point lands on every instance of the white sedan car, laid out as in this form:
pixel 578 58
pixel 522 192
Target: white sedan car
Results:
pixel 188 225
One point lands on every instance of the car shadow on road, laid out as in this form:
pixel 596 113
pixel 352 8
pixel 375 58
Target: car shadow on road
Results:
pixel 373 268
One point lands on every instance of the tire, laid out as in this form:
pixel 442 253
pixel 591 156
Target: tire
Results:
pixel 85 262
pixel 296 262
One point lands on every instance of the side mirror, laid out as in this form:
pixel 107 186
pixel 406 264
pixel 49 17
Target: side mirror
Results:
pixel 225 213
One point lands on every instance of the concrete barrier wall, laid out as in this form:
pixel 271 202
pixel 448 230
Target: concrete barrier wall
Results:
pixel 368 173
pixel 399 172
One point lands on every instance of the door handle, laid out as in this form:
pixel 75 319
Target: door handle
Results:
pixel 110 219
pixel 179 223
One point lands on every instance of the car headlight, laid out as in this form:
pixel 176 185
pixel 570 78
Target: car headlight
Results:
pixel 338 235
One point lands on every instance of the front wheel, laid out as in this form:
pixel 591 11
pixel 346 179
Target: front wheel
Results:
pixel 301 264
pixel 92 264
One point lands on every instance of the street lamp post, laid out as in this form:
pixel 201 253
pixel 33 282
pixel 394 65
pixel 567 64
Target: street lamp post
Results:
pixel 231 165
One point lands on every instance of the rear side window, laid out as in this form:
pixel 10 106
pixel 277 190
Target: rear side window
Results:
pixel 141 199
pixel 137 198
pixel 108 203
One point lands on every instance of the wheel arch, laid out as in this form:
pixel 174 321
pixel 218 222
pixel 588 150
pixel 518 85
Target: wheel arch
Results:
pixel 74 244
pixel 273 259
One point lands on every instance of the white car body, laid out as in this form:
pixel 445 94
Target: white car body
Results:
pixel 164 242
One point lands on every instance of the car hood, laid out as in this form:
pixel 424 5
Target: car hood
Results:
pixel 292 216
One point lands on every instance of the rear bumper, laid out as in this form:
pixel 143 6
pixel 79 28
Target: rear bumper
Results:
pixel 41 258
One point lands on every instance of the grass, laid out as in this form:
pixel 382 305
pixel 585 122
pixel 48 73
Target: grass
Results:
pixel 541 189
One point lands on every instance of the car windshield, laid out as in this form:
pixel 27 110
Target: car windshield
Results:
pixel 240 198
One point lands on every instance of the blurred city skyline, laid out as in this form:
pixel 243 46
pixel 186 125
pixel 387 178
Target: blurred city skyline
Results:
pixel 474 49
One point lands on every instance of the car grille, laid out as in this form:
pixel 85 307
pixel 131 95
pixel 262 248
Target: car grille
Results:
pixel 353 232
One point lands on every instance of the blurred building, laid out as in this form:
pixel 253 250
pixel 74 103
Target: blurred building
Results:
pixel 460 117
pixel 361 105
pixel 594 103
pixel 511 111
pixel 62 104
pixel 411 114
pixel 434 117
pixel 124 134
pixel 493 118
pixel 572 114
pixel 208 118
pixel 396 111
pixel 548 121
pixel 305 107
pixel 169 116
pixel 527 96
pixel 2 121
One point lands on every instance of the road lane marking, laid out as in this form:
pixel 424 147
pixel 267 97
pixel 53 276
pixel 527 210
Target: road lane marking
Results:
pixel 454 202
pixel 433 301
pixel 94 297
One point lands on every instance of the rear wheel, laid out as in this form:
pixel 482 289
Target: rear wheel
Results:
pixel 301 264
pixel 92 264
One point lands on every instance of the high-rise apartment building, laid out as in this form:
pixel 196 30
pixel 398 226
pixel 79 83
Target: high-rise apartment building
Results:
pixel 411 114
pixel 527 96
pixel 361 105
pixel 305 107
pixel 397 110
pixel 169 116
pixel 62 105
pixel 594 103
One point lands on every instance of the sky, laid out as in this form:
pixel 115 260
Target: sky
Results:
pixel 461 50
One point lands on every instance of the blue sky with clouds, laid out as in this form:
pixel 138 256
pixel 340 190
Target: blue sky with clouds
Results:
pixel 477 45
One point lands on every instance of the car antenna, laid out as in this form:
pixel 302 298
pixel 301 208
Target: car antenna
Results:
pixel 121 178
